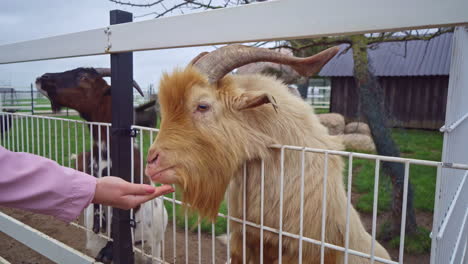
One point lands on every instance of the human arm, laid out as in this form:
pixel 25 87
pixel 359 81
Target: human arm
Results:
pixel 41 185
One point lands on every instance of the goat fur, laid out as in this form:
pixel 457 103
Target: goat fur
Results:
pixel 208 151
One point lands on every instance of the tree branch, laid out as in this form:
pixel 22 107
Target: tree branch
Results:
pixel 136 5
pixel 408 36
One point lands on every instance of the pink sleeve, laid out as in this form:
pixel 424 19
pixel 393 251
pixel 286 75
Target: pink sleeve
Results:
pixel 41 185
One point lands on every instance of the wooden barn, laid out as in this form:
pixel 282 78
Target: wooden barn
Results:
pixel 413 75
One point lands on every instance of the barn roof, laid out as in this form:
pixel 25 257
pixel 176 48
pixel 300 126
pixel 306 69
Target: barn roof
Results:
pixel 422 58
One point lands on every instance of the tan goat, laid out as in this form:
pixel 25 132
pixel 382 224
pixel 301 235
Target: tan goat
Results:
pixel 213 123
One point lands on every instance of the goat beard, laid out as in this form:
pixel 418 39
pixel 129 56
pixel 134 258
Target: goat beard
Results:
pixel 203 190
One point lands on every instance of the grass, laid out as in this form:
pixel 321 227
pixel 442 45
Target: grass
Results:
pixel 418 243
pixel 416 144
pixel 321 110
pixel 48 138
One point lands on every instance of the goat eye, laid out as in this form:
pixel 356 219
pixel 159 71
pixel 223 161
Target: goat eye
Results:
pixel 203 107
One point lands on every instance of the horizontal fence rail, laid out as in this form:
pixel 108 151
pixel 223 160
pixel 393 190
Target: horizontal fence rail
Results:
pixel 330 18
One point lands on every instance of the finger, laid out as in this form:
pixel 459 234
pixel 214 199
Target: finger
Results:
pixel 139 199
pixel 138 189
pixel 163 189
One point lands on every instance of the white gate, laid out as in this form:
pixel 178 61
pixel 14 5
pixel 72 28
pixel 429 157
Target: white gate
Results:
pixel 450 233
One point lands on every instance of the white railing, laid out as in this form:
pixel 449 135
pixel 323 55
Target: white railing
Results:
pixel 274 20
pixel 235 25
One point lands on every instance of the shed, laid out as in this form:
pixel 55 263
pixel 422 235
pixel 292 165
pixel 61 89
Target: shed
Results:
pixel 413 75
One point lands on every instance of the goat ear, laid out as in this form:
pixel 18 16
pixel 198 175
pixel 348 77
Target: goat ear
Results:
pixel 250 100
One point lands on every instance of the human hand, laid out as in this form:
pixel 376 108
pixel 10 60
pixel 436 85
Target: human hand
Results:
pixel 118 193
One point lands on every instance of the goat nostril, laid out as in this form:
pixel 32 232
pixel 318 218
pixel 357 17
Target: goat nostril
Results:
pixel 152 159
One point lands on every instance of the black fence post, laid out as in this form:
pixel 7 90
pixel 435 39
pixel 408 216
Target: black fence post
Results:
pixel 32 100
pixel 122 119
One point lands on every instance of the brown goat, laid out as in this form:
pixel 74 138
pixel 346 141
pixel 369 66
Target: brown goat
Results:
pixel 86 91
pixel 213 123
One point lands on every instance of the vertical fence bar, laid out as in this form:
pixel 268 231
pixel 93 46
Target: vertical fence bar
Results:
pixel 76 144
pixel 141 181
pixel 62 143
pixel 403 210
pixel 56 140
pixel 301 209
pixel 228 228
pixel 17 144
pixel 324 209
pixel 374 209
pixel 244 194
pixel 8 123
pixel 109 164
pixel 83 137
pixel 122 120
pixel 213 248
pixel 435 228
pixel 91 149
pixel 99 172
pixel 262 204
pixel 348 206
pixel 132 178
pixel 22 133
pixel 69 143
pixel 3 132
pixel 199 241
pixel 38 136
pixel 186 236
pixel 33 136
pixel 44 137
pixel 280 233
pixel 27 133
pixel 13 132
pixel 151 203
pixel 174 227
pixel 50 139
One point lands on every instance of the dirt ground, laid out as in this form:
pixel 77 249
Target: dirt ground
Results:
pixel 17 253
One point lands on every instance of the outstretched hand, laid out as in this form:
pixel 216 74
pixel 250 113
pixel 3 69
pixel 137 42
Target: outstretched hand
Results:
pixel 118 193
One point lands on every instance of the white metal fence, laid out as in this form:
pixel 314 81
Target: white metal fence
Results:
pixel 53 137
pixel 59 139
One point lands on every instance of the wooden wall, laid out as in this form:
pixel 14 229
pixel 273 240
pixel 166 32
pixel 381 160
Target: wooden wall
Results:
pixel 410 102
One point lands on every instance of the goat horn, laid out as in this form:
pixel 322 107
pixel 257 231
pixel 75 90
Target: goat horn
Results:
pixel 220 62
pixel 106 72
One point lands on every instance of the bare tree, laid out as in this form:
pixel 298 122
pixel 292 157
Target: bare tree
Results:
pixel 372 107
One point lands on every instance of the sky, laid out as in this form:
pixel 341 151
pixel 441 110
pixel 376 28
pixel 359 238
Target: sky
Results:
pixel 22 20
